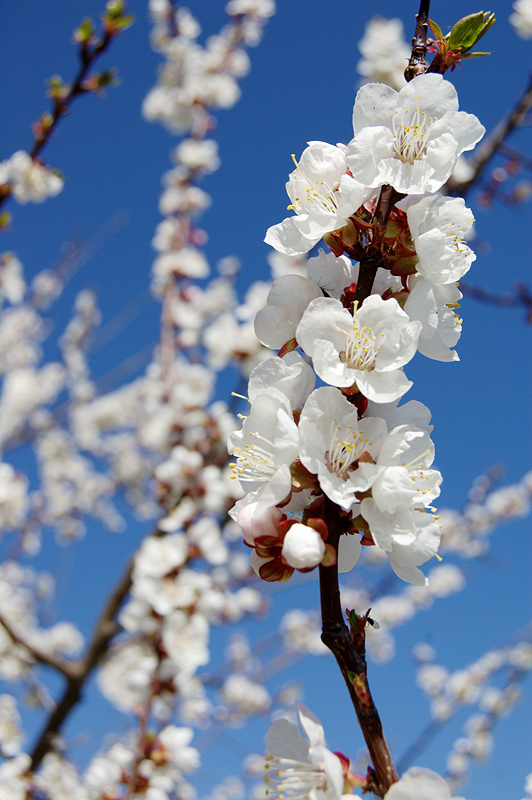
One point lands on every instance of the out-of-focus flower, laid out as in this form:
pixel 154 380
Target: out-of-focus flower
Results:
pixel 300 767
pixel 419 783
pixel 521 18
pixel 384 52
pixel 30 181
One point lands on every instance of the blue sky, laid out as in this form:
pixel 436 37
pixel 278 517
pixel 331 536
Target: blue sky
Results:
pixel 301 88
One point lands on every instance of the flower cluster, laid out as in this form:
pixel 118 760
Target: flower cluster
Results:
pixel 348 442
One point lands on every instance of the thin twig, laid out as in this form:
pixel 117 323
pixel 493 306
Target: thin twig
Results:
pixel 144 716
pixel 61 105
pixel 522 296
pixel 493 143
pixel 66 668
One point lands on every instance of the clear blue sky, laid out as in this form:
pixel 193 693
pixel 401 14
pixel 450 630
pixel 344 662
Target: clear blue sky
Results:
pixel 301 88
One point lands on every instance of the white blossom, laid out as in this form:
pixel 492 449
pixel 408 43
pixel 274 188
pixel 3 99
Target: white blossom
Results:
pixel 286 303
pixel 245 695
pixel 303 547
pixel 332 274
pixel 332 440
pixel 410 139
pixel 11 736
pixel 265 448
pixel 290 375
pixel 438 226
pixel 368 347
pixel 435 306
pixel 322 195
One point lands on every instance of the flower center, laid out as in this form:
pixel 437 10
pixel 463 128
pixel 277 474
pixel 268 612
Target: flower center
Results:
pixel 361 347
pixel 411 131
pixel 453 233
pixel 318 195
pixel 292 780
pixel 344 449
pixel 254 460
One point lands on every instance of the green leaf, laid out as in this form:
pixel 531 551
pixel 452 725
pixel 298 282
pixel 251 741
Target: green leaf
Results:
pixel 436 30
pixel 468 30
pixel 124 22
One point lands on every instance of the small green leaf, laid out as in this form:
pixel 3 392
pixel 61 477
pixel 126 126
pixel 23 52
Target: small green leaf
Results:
pixel 475 55
pixel 468 30
pixel 125 22
pixel 436 30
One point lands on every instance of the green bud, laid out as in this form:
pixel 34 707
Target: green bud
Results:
pixel 108 78
pixel 115 8
pixel 85 32
pixel 115 18
pixel 5 220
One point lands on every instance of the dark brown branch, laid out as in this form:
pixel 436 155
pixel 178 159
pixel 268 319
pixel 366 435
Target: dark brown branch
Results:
pixel 62 106
pixel 494 141
pixel 352 662
pixel 417 64
pixel 106 629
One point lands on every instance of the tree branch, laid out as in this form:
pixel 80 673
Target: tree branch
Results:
pixel 352 662
pixel 417 64
pixel 66 668
pixel 106 628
